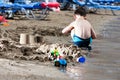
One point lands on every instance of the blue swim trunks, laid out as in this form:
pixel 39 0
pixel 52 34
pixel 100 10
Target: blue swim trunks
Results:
pixel 80 42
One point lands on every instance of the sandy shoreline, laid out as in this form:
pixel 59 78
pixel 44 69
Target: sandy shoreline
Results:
pixel 18 70
pixel 22 70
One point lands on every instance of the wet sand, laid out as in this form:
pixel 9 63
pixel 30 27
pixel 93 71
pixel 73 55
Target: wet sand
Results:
pixel 104 62
pixel 22 70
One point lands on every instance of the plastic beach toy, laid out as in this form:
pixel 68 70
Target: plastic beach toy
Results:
pixel 81 59
pixel 55 52
pixel 5 24
pixel 2 19
pixel 63 62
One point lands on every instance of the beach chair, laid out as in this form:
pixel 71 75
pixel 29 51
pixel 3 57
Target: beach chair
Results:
pixel 27 8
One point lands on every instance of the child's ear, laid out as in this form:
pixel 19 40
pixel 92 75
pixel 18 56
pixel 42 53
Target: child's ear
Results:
pixel 85 17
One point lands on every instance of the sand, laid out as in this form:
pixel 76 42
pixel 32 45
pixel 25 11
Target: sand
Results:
pixel 50 29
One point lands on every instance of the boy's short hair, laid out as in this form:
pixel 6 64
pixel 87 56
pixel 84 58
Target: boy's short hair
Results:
pixel 80 11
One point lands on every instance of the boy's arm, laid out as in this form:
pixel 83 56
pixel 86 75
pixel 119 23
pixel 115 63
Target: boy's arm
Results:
pixel 93 34
pixel 67 29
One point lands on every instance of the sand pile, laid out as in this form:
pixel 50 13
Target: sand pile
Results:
pixel 42 51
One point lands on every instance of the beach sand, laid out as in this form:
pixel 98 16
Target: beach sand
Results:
pixel 35 70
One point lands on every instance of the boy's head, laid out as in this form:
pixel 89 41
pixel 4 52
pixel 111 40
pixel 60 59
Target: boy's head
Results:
pixel 80 11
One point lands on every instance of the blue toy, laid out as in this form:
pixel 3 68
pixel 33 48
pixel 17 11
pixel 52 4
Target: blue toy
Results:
pixel 81 59
pixel 63 62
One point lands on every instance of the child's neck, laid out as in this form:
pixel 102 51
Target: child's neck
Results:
pixel 79 17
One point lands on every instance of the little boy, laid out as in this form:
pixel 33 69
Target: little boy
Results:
pixel 82 32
